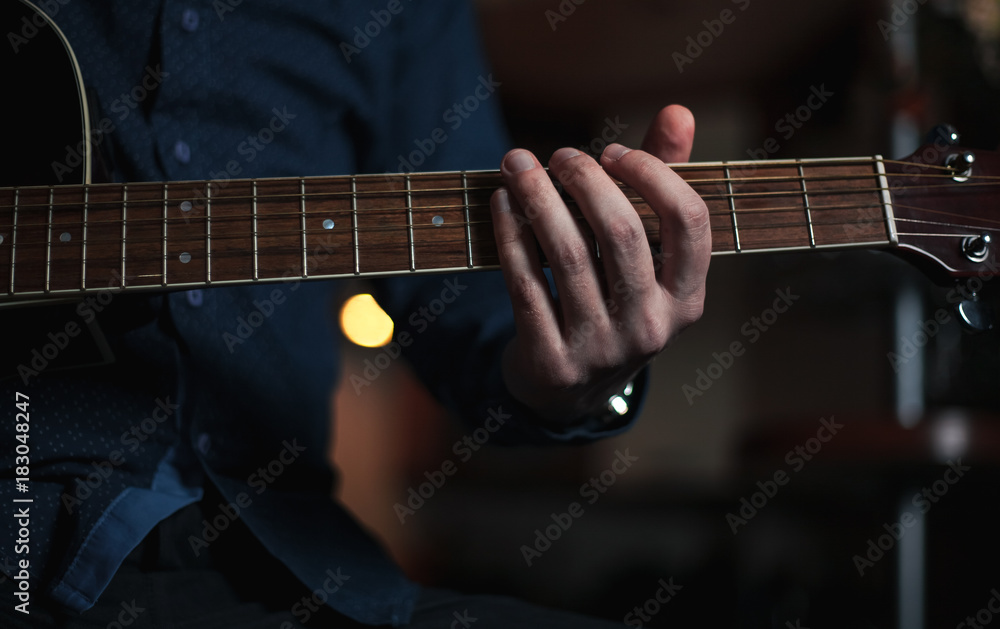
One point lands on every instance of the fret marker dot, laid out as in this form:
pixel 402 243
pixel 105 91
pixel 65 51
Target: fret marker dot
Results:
pixel 65 237
pixel 185 257
pixel 328 224
pixel 185 206
pixel 438 220
pixel 1 239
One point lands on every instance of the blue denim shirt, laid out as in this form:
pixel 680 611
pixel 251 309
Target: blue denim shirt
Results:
pixel 254 88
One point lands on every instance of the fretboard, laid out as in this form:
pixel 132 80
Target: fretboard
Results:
pixel 69 240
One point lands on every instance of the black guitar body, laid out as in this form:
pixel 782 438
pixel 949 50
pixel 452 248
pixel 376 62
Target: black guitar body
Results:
pixel 43 109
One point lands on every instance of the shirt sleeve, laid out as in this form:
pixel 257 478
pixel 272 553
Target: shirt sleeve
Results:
pixel 455 326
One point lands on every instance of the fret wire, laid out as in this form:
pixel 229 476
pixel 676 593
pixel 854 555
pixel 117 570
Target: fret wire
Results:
pixel 13 240
pixel 732 207
pixel 256 271
pixel 163 279
pixel 468 218
pixel 83 269
pixel 354 224
pixel 48 248
pixel 302 221
pixel 805 200
pixel 409 220
pixel 208 232
pixel 124 218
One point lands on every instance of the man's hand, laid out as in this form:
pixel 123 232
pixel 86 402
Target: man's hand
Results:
pixel 612 315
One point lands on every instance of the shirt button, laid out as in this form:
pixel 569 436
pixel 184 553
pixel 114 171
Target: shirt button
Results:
pixel 195 297
pixel 182 152
pixel 204 443
pixel 189 20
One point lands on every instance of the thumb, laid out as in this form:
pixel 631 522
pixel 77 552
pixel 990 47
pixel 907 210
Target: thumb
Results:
pixel 671 134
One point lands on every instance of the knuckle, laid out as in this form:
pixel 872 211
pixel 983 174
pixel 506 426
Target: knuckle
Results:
pixel 523 290
pixel 625 235
pixel 579 171
pixel 692 214
pixel 534 193
pixel 652 332
pixel 572 258
pixel 689 310
pixel 565 375
pixel 644 166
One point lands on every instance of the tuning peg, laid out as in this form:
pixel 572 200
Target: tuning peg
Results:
pixel 944 132
pixel 975 315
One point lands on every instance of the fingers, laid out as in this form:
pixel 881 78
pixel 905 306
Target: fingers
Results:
pixel 685 234
pixel 671 135
pixel 534 309
pixel 617 227
pixel 569 251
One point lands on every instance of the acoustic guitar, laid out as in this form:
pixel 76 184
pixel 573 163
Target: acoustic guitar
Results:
pixel 939 206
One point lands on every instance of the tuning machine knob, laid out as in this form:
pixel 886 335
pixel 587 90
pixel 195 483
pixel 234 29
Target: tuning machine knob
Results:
pixel 976 248
pixel 960 164
pixel 945 133
pixel 974 314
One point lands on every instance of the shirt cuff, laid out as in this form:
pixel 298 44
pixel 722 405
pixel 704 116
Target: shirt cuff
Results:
pixel 521 425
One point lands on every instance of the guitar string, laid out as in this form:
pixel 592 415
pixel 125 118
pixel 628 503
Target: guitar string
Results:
pixel 488 258
pixel 198 239
pixel 974 180
pixel 199 233
pixel 218 220
pixel 95 207
pixel 98 206
pixel 403 248
pixel 946 172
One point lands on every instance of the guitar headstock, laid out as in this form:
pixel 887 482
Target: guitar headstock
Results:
pixel 946 207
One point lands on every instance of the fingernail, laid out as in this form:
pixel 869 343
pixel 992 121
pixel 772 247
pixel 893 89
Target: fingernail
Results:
pixel 614 152
pixel 562 155
pixel 519 161
pixel 502 200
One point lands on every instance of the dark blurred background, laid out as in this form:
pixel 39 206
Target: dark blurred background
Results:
pixel 821 550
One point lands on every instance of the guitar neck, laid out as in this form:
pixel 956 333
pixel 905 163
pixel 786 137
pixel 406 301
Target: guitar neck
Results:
pixel 71 240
